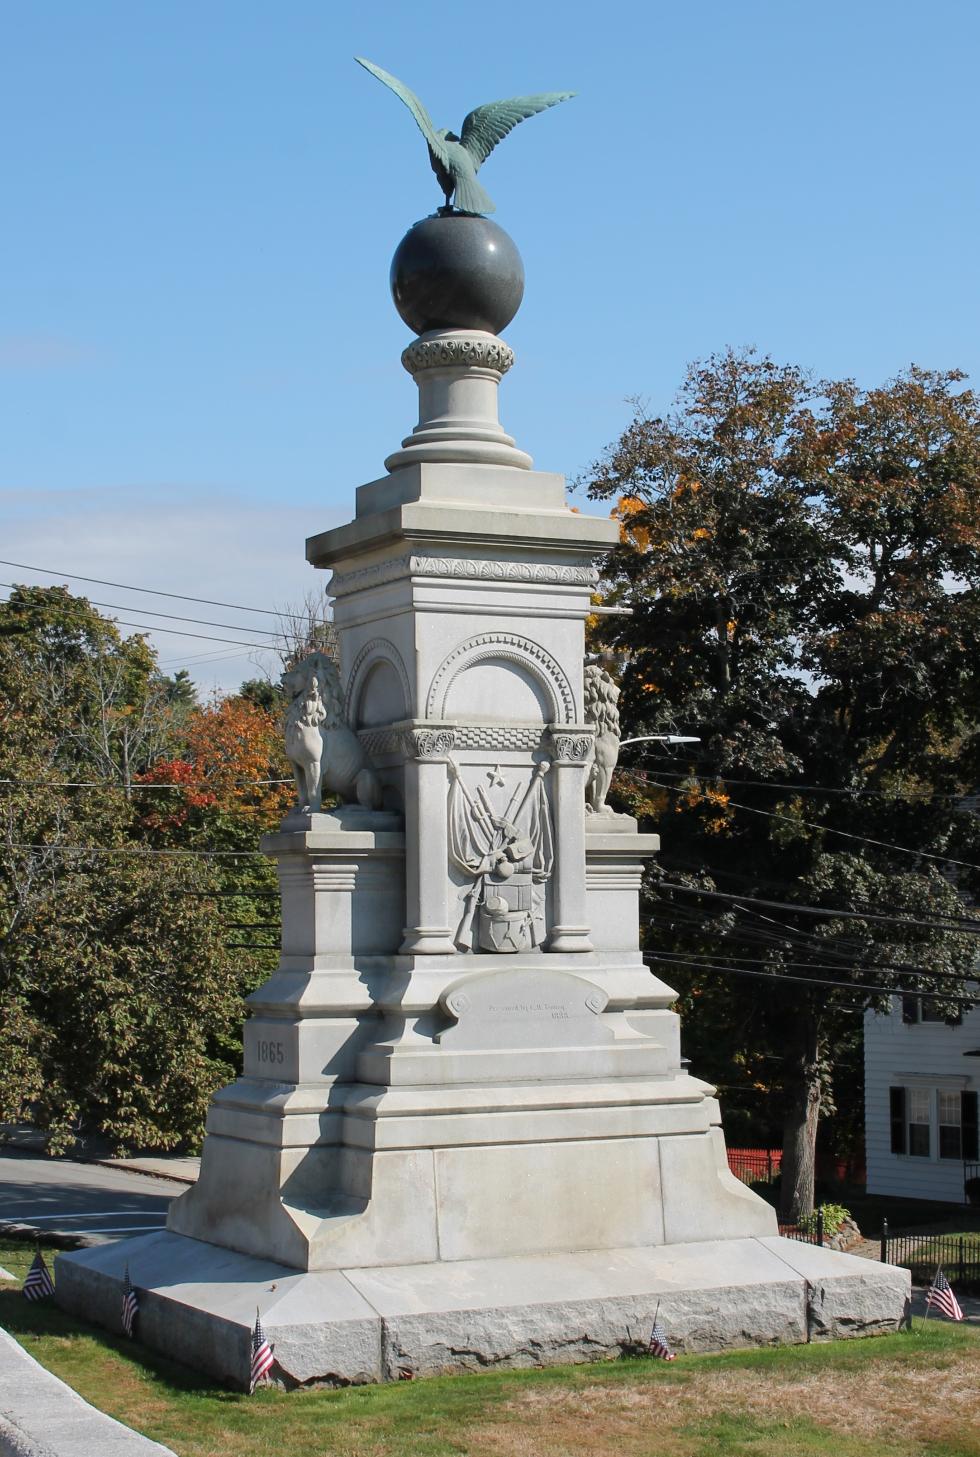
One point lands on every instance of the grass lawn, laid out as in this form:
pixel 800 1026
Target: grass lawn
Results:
pixel 908 1395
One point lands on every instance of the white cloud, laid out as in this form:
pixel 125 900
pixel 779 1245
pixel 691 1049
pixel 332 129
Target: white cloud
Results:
pixel 200 543
pixel 42 351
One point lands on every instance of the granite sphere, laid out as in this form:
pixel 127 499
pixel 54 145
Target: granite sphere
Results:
pixel 456 271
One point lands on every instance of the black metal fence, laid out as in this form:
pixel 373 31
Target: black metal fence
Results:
pixel 970 1171
pixel 958 1254
pixel 812 1236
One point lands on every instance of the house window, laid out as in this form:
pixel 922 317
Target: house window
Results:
pixel 930 1013
pixel 918 1115
pixel 911 1112
pixel 917 1009
pixel 950 1126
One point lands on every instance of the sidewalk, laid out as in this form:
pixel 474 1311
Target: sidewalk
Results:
pixel 181 1169
pixel 42 1417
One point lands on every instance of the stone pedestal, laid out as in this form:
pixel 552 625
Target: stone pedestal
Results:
pixel 464 1120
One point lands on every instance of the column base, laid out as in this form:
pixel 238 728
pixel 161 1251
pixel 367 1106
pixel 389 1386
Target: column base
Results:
pixel 569 938
pixel 427 941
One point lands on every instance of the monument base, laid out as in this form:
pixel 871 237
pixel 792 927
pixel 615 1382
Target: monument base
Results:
pixel 197 1304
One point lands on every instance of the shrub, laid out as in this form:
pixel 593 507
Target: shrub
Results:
pixel 833 1217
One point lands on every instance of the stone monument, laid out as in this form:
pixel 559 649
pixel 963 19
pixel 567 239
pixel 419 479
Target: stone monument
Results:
pixel 464 1134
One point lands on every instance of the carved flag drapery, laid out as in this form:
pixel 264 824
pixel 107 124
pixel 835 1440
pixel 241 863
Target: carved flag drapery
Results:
pixel 508 857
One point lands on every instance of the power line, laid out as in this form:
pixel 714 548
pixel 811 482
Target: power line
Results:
pixel 106 784
pixel 171 616
pixel 682 866
pixel 812 825
pixel 806 910
pixel 847 986
pixel 156 592
pixel 784 932
pixel 963 978
pixel 721 778
pixel 182 632
pixel 136 850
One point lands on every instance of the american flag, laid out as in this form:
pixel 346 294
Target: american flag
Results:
pixel 39 1283
pixel 261 1356
pixel 130 1306
pixel 941 1295
pixel 658 1342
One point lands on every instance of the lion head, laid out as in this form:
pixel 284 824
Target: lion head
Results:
pixel 318 666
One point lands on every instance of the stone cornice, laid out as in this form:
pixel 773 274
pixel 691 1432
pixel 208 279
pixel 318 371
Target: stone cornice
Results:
pixel 471 568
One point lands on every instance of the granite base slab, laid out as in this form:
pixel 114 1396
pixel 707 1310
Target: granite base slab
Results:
pixel 198 1303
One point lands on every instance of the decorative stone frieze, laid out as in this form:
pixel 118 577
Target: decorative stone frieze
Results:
pixel 494 737
pixel 471 568
pixel 457 353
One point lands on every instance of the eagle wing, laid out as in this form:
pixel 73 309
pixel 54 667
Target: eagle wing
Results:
pixel 414 105
pixel 488 125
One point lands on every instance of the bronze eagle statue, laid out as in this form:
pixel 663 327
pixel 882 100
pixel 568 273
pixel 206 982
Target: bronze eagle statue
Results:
pixel 457 159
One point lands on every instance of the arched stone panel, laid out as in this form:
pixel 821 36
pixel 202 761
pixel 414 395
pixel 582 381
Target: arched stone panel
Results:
pixel 535 665
pixel 377 680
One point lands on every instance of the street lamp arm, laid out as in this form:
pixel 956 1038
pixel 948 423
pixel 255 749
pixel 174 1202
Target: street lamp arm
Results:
pixel 661 739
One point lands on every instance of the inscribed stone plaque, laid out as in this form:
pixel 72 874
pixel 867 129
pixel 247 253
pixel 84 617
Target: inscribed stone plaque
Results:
pixel 522 1008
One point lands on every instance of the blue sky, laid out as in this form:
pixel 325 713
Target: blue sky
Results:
pixel 199 358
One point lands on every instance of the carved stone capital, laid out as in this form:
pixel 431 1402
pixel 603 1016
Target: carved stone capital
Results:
pixel 422 743
pixel 458 353
pixel 574 748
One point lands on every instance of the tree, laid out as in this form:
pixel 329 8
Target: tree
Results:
pixel 306 627
pixel 801 566
pixel 264 694
pixel 119 1000
pixel 230 783
pixel 232 777
pixel 180 690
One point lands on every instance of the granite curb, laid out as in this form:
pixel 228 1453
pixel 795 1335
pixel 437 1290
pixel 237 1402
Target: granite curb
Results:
pixel 178 1171
pixel 42 1417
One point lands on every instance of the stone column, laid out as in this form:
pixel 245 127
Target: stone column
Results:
pixel 458 372
pixel 572 756
pixel 427 930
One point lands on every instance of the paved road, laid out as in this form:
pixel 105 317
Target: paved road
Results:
pixel 57 1196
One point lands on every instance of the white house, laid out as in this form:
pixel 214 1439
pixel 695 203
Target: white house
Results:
pixel 921 1085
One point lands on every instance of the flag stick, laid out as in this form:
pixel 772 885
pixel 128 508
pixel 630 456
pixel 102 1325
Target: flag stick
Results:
pixel 540 771
pixel 931 1287
pixel 477 811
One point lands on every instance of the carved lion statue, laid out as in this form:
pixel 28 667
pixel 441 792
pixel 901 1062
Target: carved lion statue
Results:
pixel 326 755
pixel 601 698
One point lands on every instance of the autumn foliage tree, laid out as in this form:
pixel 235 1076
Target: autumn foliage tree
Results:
pixel 802 564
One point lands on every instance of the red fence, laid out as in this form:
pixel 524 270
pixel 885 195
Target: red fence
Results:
pixel 755 1165
pixel 762 1166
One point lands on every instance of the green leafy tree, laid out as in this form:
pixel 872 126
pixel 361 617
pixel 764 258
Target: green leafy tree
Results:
pixel 801 567
pixel 117 991
pixel 264 694
pixel 180 690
